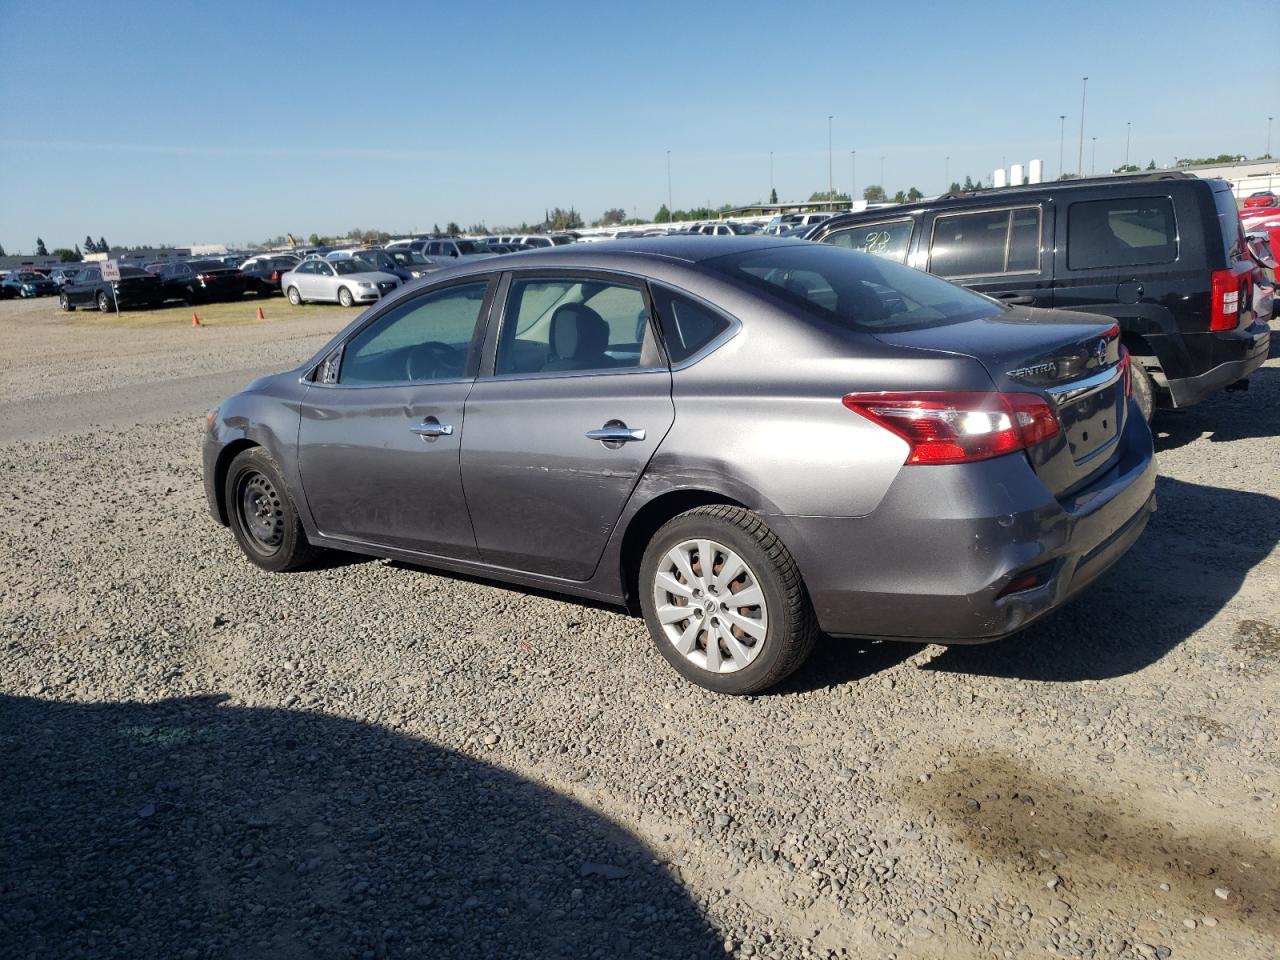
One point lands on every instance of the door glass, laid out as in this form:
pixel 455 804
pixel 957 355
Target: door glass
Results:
pixel 969 244
pixel 562 324
pixel 426 338
pixel 1121 233
pixel 888 239
pixel 687 326
pixel 1024 240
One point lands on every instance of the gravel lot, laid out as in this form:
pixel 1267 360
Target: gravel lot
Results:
pixel 202 760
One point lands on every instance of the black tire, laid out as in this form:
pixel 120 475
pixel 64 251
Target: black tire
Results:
pixel 1144 390
pixel 295 297
pixel 345 298
pixel 792 628
pixel 104 302
pixel 65 303
pixel 271 536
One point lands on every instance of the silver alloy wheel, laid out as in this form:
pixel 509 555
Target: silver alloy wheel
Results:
pixel 295 297
pixel 710 605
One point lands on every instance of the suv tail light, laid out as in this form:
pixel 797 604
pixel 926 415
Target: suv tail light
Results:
pixel 953 427
pixel 1229 292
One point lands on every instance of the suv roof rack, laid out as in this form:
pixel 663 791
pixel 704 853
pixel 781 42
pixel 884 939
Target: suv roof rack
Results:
pixel 1074 181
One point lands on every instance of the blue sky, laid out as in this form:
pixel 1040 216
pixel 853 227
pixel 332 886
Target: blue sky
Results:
pixel 198 122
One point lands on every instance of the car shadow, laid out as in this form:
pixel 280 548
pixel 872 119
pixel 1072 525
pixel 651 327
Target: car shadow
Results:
pixel 1227 416
pixel 1189 563
pixel 837 661
pixel 187 828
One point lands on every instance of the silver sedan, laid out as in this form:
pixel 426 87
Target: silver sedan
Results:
pixel 347 282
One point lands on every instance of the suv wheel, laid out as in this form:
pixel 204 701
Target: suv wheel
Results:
pixel 104 302
pixel 1144 390
pixel 65 303
pixel 724 601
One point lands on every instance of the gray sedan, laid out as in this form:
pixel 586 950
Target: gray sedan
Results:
pixel 347 282
pixel 749 441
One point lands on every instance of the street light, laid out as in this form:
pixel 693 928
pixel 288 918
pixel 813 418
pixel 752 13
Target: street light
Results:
pixel 946 176
pixel 1062 139
pixel 830 179
pixel 670 208
pixel 882 186
pixel 1084 89
pixel 1128 129
pixel 770 173
pixel 1093 157
pixel 853 177
pixel 1269 136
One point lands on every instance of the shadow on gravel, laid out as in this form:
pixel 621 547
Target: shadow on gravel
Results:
pixel 188 829
pixel 1190 562
pixel 839 661
pixel 1107 854
pixel 1226 417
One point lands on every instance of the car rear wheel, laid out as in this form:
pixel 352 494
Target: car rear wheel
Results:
pixel 65 303
pixel 104 302
pixel 1144 390
pixel 263 517
pixel 724 600
pixel 295 297
pixel 345 298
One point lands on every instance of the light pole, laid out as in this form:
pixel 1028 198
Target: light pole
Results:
pixel 1128 129
pixel 1062 139
pixel 830 180
pixel 946 176
pixel 853 177
pixel 882 186
pixel 1084 88
pixel 670 208
pixel 1269 136
pixel 1093 157
pixel 770 173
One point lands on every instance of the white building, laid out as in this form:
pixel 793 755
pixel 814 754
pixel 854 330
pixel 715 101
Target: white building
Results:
pixel 1245 177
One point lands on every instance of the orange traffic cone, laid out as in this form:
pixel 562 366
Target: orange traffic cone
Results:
pixel 261 316
pixel 195 321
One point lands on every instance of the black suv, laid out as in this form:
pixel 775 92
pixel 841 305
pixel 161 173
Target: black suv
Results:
pixel 1163 254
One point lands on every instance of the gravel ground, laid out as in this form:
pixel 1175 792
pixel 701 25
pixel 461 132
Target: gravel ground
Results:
pixel 199 759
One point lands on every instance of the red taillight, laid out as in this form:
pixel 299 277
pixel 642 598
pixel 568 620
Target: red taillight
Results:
pixel 1228 293
pixel 947 427
pixel 204 277
pixel 275 276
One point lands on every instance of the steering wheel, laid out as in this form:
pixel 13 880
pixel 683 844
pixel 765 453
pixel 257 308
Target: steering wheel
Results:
pixel 429 360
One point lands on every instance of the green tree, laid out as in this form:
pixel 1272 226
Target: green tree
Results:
pixel 954 188
pixel 773 195
pixel 2 253
pixel 102 245
pixel 875 194
pixel 65 256
pixel 452 229
pixel 819 196
pixel 663 215
pixel 559 219
pixel 435 228
pixel 1126 168
pixel 612 216
pixel 79 255
pixel 1220 158
pixel 314 240
pixel 913 195
pixel 1151 165
pixel 40 248
pixel 89 245
pixel 899 197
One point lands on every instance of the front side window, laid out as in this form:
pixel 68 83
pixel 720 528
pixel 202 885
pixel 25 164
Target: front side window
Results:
pixel 888 238
pixel 570 324
pixel 1122 232
pixel 987 243
pixel 425 338
pixel 854 291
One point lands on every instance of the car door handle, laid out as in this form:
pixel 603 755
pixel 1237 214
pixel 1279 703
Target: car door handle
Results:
pixel 615 434
pixel 431 429
pixel 1016 299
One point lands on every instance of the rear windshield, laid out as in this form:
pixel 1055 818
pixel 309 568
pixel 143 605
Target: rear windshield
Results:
pixel 201 266
pixel 855 290
pixel 1229 223
pixel 473 246
pixel 133 272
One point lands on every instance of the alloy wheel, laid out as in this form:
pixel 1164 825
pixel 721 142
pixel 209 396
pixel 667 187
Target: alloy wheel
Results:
pixel 710 605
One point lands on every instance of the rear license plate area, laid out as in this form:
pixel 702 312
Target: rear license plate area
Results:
pixel 1091 422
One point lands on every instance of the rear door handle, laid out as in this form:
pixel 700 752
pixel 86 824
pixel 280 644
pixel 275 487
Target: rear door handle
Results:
pixel 615 434
pixel 1016 299
pixel 431 428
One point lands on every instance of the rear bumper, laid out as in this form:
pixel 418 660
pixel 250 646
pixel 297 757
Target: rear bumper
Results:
pixel 931 561
pixel 1234 356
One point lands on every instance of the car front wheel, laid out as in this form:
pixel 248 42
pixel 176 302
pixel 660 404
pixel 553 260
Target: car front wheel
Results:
pixel 65 302
pixel 345 298
pixel 263 518
pixel 295 297
pixel 724 600
pixel 104 302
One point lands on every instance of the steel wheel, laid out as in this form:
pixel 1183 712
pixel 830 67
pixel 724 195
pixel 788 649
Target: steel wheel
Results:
pixel 710 605
pixel 261 512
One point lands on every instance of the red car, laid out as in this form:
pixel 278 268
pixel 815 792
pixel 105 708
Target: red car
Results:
pixel 1263 198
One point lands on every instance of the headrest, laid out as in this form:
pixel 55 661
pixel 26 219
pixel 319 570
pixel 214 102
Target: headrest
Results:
pixel 578 332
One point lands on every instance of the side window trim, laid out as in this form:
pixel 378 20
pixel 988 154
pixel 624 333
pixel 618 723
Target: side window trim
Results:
pixel 478 337
pixel 1008 240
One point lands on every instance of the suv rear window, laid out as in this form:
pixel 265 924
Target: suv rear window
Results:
pixel 853 290
pixel 986 243
pixel 1123 232
pixel 887 238
pixel 1229 221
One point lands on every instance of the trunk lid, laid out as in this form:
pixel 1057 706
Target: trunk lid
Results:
pixel 1070 359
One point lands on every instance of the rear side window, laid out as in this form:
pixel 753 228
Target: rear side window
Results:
pixel 987 243
pixel 687 326
pixel 888 239
pixel 1123 232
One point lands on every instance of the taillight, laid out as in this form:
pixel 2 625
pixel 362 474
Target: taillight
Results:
pixel 951 427
pixel 275 276
pixel 204 277
pixel 1227 292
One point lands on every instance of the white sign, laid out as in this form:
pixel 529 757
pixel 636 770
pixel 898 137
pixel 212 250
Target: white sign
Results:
pixel 111 270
